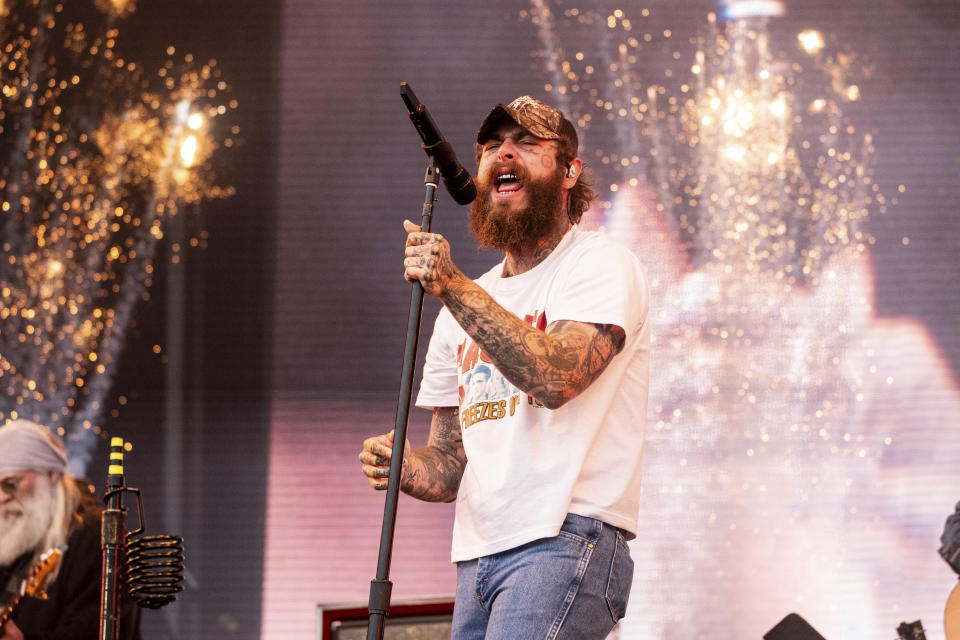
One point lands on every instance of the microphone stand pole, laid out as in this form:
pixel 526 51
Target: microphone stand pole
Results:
pixel 381 586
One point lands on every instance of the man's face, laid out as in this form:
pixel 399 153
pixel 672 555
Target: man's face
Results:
pixel 26 501
pixel 478 382
pixel 520 190
pixel 512 147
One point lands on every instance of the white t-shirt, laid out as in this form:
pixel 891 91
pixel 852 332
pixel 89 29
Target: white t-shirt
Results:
pixel 528 466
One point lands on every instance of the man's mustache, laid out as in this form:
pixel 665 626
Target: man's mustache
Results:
pixel 11 511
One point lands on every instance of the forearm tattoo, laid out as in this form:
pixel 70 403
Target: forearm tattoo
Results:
pixel 552 366
pixel 433 473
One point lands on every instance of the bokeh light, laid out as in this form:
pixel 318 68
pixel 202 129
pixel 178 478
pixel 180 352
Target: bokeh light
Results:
pixel 733 162
pixel 96 160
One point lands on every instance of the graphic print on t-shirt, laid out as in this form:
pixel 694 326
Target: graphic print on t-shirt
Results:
pixel 485 394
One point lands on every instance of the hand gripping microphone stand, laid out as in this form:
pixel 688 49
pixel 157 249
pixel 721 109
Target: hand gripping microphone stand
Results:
pixel 442 163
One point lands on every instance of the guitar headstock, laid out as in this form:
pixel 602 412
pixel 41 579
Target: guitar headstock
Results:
pixel 34 585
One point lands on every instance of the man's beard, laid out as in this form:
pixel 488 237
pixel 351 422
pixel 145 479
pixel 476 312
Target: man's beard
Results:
pixel 497 226
pixel 24 523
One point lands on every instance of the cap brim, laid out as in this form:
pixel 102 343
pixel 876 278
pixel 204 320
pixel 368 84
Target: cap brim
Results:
pixel 497 116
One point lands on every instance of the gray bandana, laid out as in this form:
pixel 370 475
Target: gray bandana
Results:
pixel 26 446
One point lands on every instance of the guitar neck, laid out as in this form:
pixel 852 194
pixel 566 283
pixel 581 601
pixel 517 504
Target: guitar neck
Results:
pixel 8 610
pixel 33 584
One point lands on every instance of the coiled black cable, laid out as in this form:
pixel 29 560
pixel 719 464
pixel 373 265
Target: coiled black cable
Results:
pixel 154 567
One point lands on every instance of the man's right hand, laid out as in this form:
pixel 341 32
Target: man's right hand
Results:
pixel 427 259
pixel 375 459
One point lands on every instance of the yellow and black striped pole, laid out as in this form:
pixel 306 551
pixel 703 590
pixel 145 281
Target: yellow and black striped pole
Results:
pixel 112 534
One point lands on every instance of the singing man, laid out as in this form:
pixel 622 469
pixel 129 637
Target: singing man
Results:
pixel 545 470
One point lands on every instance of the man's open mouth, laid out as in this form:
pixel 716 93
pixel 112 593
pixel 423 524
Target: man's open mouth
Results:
pixel 507 182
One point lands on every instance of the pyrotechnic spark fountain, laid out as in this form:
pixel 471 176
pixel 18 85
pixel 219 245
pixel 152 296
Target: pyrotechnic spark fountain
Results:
pixel 736 171
pixel 96 160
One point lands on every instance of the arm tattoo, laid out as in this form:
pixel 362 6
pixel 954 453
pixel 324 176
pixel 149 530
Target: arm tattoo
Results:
pixel 433 473
pixel 553 366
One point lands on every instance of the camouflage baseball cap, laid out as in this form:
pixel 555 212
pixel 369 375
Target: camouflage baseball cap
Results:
pixel 538 118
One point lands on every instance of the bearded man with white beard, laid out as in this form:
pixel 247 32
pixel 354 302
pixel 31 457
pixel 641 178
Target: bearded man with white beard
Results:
pixel 43 508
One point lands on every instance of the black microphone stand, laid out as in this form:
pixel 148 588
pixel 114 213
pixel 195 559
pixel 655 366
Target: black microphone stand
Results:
pixel 381 586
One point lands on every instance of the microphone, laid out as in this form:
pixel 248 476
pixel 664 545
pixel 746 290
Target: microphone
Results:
pixel 456 179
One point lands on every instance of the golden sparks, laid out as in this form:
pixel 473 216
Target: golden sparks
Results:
pixel 811 40
pixel 731 162
pixel 98 157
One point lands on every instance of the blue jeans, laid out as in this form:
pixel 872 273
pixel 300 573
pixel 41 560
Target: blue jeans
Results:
pixel 572 586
